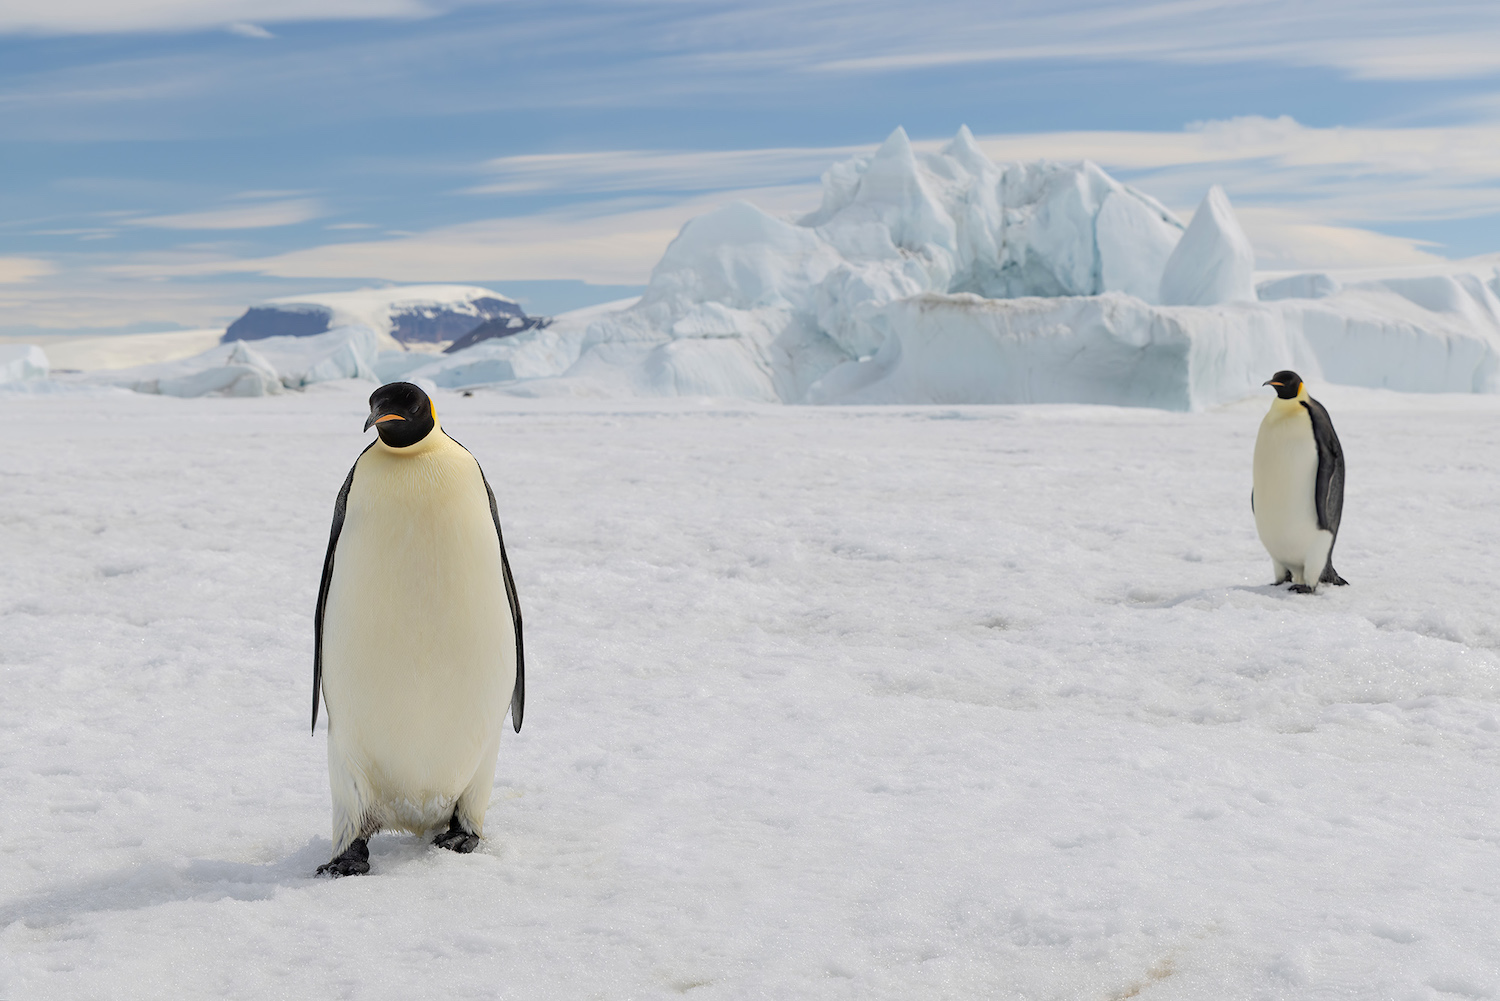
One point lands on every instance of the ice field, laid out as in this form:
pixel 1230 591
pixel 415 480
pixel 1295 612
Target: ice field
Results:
pixel 886 702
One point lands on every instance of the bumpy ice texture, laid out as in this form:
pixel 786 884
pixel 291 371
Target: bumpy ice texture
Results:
pixel 272 365
pixel 946 278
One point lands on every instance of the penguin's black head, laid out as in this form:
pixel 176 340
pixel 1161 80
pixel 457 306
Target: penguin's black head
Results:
pixel 1287 384
pixel 401 413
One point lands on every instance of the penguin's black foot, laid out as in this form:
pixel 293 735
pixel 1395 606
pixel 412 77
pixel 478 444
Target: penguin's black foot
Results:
pixel 456 839
pixel 1301 589
pixel 355 861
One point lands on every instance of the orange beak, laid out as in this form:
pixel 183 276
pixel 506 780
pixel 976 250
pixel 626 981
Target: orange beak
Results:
pixel 382 419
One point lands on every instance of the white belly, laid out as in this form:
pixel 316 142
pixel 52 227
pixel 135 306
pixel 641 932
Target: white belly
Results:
pixel 418 647
pixel 1286 475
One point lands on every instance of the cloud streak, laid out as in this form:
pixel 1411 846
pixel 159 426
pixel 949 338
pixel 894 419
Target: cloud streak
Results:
pixel 18 270
pixel 613 243
pixel 659 170
pixel 1349 176
pixel 97 17
pixel 1307 197
pixel 262 216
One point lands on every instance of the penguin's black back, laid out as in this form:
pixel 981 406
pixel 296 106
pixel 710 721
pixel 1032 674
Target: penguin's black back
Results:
pixel 1329 489
pixel 339 507
pixel 1330 486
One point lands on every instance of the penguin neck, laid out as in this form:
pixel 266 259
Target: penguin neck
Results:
pixel 433 439
pixel 1280 407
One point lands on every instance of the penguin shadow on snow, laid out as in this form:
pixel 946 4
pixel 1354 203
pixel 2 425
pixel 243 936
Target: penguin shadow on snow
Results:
pixel 139 887
pixel 1142 598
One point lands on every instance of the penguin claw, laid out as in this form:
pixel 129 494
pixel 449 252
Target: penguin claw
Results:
pixel 355 861
pixel 457 841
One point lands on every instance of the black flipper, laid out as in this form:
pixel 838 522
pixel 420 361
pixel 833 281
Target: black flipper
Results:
pixel 339 506
pixel 1329 491
pixel 518 694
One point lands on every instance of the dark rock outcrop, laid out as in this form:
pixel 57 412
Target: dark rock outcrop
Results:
pixel 278 321
pixel 430 322
pixel 441 323
pixel 500 326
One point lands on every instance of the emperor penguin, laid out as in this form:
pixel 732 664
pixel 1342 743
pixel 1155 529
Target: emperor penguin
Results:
pixel 1298 493
pixel 417 637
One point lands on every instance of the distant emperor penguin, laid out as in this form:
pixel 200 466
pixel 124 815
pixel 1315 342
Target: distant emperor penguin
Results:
pixel 1298 494
pixel 417 637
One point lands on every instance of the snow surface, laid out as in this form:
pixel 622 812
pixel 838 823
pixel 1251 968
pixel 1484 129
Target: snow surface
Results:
pixel 901 702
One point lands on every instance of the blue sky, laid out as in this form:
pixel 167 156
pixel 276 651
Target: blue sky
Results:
pixel 167 164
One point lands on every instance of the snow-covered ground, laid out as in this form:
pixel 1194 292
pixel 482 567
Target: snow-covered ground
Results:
pixel 886 702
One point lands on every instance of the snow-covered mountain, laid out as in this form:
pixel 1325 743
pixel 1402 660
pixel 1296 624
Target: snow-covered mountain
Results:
pixel 402 315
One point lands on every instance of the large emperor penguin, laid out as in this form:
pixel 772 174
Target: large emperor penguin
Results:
pixel 417 637
pixel 1298 496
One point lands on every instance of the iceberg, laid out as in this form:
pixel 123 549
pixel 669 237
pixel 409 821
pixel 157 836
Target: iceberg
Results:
pixel 22 363
pixel 1213 263
pixel 947 278
pixel 1116 349
pixel 745 304
pixel 536 353
pixel 272 365
pixel 1313 285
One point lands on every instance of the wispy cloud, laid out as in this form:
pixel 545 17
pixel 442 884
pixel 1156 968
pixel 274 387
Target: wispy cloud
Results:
pixel 15 270
pixel 1331 175
pixel 81 17
pixel 1366 39
pixel 658 170
pixel 1342 175
pixel 613 243
pixel 260 195
pixel 1308 198
pixel 247 30
pixel 1287 241
pixel 262 216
